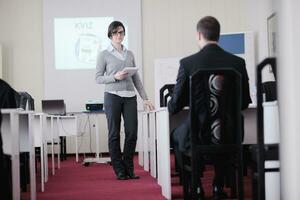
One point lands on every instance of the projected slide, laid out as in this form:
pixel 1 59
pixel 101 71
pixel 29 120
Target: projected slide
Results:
pixel 78 41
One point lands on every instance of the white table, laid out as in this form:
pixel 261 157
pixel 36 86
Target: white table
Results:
pixel 55 135
pixel 140 139
pixel 272 136
pixel 27 145
pixel 52 136
pixel 148 153
pixel 145 139
pixel 17 135
pixel 39 140
pixel 164 124
pixel 155 154
pixel 163 151
pixel 48 128
pixel 152 144
pixel 10 138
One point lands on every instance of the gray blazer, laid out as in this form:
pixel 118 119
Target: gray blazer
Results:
pixel 108 65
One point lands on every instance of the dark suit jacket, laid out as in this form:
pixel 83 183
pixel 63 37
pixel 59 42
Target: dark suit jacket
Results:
pixel 211 56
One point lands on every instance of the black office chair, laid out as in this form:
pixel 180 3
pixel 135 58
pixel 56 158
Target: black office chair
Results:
pixel 25 101
pixel 165 94
pixel 263 152
pixel 209 88
pixel 269 91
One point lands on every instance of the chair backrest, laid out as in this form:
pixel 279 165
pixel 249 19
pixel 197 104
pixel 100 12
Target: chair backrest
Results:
pixel 215 107
pixel 262 152
pixel 270 91
pixel 25 101
pixel 165 94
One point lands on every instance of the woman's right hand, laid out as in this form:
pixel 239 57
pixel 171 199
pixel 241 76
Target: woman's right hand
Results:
pixel 120 75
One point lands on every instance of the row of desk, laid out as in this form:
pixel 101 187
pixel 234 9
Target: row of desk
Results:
pixel 22 131
pixel 157 125
pixel 155 154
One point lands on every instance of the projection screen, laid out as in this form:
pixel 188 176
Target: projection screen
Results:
pixel 74 31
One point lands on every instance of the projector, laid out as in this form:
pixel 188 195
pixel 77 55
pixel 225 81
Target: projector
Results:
pixel 93 105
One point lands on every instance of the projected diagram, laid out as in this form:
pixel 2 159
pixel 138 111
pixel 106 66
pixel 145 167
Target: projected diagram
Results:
pixel 86 48
pixel 78 41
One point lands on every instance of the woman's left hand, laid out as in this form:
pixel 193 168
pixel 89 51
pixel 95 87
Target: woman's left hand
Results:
pixel 148 105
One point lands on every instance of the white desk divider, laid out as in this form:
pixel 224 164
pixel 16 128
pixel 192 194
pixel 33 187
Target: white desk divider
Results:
pixel 271 122
pixel 10 138
pixel 27 145
pixel 140 139
pixel 40 141
pixel 152 143
pixel 163 151
pixel 157 125
pixel 17 135
pixel 55 121
pixel 49 138
pixel 145 140
pixel 271 136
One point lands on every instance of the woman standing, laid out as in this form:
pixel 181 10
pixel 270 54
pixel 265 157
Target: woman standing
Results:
pixel 120 99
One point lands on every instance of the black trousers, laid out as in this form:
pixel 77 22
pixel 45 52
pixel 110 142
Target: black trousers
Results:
pixel 115 107
pixel 178 138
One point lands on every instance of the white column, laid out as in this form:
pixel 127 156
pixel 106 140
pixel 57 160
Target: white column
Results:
pixel 289 96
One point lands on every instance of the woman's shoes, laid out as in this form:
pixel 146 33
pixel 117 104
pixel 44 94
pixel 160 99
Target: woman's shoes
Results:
pixel 131 175
pixel 121 176
pixel 128 175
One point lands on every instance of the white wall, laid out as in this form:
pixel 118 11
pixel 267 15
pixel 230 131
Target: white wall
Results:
pixel 289 96
pixel 0 61
pixel 168 31
pixel 21 39
pixel 170 25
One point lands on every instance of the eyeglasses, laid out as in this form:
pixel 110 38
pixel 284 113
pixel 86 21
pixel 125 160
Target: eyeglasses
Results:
pixel 122 33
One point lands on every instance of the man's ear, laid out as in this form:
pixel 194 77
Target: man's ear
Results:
pixel 202 37
pixel 198 35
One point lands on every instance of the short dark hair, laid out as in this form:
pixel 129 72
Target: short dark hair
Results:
pixel 209 27
pixel 113 27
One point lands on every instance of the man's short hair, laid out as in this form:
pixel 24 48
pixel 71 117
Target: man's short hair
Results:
pixel 209 27
pixel 113 27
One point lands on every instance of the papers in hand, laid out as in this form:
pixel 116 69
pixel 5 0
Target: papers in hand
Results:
pixel 130 70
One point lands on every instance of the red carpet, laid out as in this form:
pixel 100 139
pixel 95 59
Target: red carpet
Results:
pixel 97 181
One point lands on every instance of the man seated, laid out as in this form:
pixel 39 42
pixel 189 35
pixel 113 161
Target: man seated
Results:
pixel 213 56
